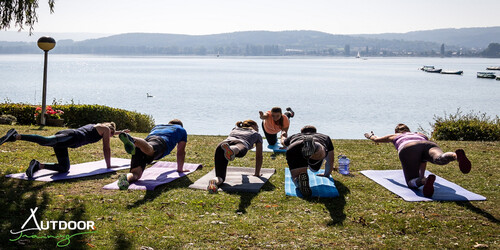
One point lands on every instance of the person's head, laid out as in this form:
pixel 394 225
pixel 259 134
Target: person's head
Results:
pixel 111 126
pixel 248 124
pixel 401 128
pixel 276 113
pixel 176 122
pixel 308 129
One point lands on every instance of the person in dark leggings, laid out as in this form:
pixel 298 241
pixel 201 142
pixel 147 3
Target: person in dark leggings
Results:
pixel 274 121
pixel 64 139
pixel 159 143
pixel 415 150
pixel 308 149
pixel 241 139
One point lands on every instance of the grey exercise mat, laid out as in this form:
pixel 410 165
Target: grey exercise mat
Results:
pixel 444 190
pixel 238 179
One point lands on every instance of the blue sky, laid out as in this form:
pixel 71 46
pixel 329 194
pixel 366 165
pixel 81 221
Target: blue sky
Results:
pixel 197 17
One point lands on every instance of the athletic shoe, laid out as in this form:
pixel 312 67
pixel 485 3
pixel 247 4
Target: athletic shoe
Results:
pixel 304 185
pixel 212 187
pixel 428 189
pixel 292 114
pixel 10 136
pixel 123 182
pixel 228 152
pixel 463 163
pixel 32 168
pixel 309 147
pixel 128 142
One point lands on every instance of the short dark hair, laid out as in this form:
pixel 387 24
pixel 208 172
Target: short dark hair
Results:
pixel 308 129
pixel 176 121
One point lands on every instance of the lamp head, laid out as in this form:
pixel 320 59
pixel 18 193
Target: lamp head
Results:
pixel 46 43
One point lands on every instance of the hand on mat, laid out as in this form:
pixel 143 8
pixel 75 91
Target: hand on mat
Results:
pixel 182 170
pixel 114 166
pixel 258 175
pixel 323 175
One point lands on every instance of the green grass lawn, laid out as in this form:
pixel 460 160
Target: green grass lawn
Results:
pixel 365 215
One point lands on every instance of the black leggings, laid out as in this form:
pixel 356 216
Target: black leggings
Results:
pixel 295 159
pixel 60 142
pixel 221 161
pixel 412 155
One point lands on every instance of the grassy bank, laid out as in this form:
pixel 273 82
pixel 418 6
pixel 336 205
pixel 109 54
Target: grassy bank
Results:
pixel 365 215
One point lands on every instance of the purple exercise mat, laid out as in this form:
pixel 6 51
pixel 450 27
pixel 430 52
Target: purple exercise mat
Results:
pixel 160 173
pixel 76 171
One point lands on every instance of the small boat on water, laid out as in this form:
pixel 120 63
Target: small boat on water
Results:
pixel 429 70
pixel 426 67
pixel 452 72
pixel 489 75
pixel 493 68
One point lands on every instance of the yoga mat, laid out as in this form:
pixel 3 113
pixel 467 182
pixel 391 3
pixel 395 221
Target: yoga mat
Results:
pixel 320 186
pixel 161 172
pixel 238 179
pixel 76 171
pixel 271 148
pixel 443 190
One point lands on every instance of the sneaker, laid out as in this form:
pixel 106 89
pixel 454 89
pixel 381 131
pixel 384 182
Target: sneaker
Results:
pixel 428 189
pixel 290 111
pixel 123 182
pixel 10 136
pixel 212 187
pixel 463 163
pixel 128 142
pixel 32 168
pixel 304 185
pixel 228 152
pixel 309 147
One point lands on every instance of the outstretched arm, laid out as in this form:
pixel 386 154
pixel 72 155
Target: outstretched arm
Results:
pixel 258 158
pixel 383 139
pixel 181 156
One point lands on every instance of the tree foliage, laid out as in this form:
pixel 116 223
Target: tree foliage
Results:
pixel 20 12
pixel 492 51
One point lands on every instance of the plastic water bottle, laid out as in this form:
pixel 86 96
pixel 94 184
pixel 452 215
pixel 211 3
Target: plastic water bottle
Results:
pixel 344 164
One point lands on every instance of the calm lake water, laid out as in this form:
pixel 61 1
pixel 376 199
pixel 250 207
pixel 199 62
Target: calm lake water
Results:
pixel 342 97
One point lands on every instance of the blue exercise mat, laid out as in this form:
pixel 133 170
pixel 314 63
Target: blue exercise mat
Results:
pixel 320 186
pixel 444 190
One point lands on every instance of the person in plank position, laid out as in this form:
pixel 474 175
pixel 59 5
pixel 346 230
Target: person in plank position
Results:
pixel 64 139
pixel 159 143
pixel 414 151
pixel 308 149
pixel 273 122
pixel 241 139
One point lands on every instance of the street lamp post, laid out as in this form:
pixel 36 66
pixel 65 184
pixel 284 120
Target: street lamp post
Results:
pixel 46 44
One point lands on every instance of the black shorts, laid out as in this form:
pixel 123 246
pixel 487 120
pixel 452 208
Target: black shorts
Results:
pixel 139 159
pixel 295 159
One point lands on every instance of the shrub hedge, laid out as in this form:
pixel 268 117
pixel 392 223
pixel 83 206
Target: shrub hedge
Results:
pixel 79 115
pixel 466 127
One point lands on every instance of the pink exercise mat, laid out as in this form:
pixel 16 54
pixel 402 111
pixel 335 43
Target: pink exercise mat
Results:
pixel 160 173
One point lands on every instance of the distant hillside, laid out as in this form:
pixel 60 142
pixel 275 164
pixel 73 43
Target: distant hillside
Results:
pixel 303 39
pixel 478 38
pixel 459 42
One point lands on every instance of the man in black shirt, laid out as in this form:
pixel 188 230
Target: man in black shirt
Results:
pixel 308 149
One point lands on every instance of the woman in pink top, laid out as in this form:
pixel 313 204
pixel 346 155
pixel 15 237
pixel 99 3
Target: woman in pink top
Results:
pixel 274 121
pixel 415 150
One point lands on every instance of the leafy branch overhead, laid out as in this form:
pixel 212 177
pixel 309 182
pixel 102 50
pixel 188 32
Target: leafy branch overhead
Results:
pixel 21 13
